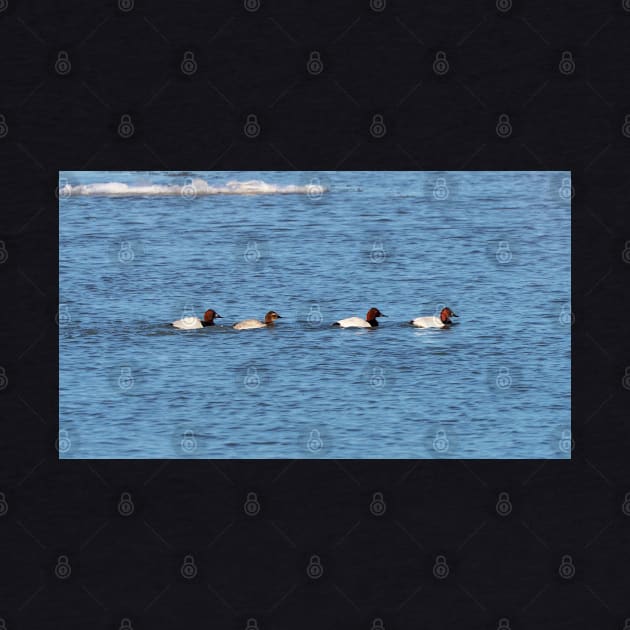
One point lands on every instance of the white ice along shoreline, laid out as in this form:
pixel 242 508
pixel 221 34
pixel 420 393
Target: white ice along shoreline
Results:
pixel 192 188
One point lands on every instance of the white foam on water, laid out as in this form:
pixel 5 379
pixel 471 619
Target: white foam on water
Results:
pixel 192 187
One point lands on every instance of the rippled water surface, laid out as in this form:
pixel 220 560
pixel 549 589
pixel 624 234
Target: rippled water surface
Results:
pixel 495 247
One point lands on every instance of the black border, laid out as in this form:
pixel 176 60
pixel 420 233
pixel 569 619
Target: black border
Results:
pixel 503 58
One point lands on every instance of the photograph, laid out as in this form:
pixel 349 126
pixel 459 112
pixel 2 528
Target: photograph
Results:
pixel 315 314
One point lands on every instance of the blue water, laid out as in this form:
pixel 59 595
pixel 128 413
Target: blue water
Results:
pixel 493 246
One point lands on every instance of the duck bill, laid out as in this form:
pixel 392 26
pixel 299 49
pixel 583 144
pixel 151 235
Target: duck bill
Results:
pixel 219 316
pixel 454 315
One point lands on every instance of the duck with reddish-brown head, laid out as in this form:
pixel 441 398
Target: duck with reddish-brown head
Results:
pixel 189 323
pixel 370 320
pixel 247 324
pixel 431 321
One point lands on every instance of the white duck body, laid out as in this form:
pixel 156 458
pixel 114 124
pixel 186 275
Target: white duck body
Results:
pixel 353 322
pixel 188 323
pixel 428 322
pixel 249 323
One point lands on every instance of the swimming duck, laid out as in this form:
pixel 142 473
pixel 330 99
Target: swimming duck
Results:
pixel 443 321
pixel 188 323
pixel 246 324
pixel 357 322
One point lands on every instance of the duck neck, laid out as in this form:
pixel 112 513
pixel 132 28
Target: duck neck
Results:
pixel 207 323
pixel 372 322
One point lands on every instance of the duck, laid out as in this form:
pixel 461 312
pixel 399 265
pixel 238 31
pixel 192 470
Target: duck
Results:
pixel 246 324
pixel 357 322
pixel 443 321
pixel 188 323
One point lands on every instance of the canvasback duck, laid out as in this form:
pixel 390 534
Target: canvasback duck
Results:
pixel 246 324
pixel 443 321
pixel 188 323
pixel 357 322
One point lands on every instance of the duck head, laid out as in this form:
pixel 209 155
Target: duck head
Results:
pixel 371 316
pixel 446 314
pixel 271 316
pixel 210 315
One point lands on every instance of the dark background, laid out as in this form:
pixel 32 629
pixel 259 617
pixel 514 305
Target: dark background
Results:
pixel 504 571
